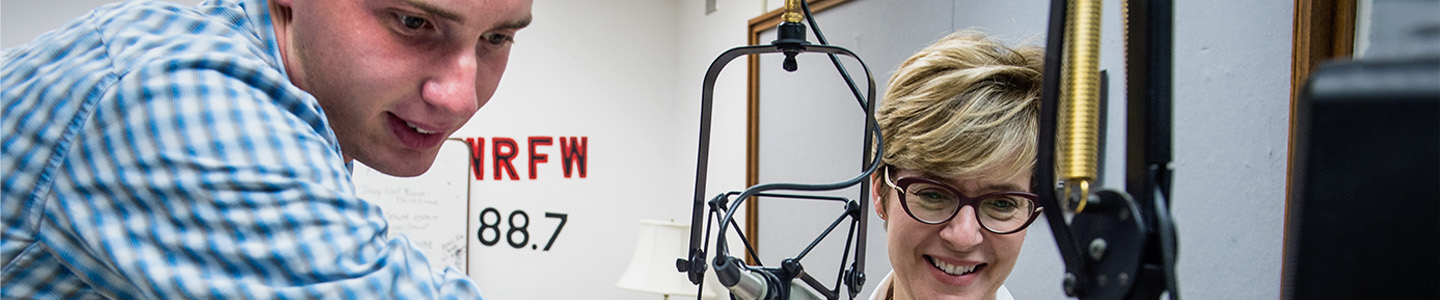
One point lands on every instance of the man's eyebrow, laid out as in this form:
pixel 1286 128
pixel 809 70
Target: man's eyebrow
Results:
pixel 436 11
pixel 516 24
pixel 458 18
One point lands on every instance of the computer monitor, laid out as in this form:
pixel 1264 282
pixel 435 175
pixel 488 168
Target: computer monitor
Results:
pixel 1363 214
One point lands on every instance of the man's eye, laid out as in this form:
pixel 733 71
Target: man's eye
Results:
pixel 498 38
pixel 412 22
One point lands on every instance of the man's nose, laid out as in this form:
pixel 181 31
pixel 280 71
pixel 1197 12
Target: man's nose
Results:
pixel 451 86
pixel 963 232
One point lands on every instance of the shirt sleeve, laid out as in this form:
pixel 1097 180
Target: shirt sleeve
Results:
pixel 213 177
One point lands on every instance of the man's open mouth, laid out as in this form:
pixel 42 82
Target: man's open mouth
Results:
pixel 417 129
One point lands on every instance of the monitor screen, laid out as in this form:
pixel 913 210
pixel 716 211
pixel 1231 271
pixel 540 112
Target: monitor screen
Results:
pixel 1363 214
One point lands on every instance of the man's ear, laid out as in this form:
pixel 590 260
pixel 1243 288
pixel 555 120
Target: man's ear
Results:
pixel 280 11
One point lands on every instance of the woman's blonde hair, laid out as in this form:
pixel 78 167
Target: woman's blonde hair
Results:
pixel 961 106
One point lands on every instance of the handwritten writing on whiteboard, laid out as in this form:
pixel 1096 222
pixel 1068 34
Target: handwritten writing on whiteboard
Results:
pixel 431 209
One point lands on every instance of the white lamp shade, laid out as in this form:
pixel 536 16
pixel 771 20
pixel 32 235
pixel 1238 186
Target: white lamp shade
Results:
pixel 652 268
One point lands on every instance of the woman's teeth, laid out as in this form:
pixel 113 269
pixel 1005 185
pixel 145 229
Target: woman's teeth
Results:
pixel 417 129
pixel 952 269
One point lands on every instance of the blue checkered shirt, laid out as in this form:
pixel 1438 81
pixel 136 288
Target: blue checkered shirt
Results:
pixel 157 151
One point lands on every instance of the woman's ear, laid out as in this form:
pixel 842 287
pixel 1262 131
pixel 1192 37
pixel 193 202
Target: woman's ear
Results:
pixel 875 197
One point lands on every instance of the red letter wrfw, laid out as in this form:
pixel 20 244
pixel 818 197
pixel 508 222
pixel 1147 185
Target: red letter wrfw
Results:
pixel 477 156
pixel 504 153
pixel 536 158
pixel 573 153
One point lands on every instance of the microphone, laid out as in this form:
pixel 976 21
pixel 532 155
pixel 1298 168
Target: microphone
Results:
pixel 747 284
pixel 743 283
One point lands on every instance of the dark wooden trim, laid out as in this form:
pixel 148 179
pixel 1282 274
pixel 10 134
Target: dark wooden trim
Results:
pixel 756 26
pixel 1323 30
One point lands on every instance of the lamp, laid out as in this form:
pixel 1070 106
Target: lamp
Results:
pixel 652 267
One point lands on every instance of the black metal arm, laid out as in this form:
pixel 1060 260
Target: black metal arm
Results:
pixel 1124 245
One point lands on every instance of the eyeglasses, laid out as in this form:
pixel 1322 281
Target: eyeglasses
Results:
pixel 933 202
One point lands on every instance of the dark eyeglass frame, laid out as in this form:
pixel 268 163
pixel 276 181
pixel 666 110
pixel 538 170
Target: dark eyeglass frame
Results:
pixel 964 200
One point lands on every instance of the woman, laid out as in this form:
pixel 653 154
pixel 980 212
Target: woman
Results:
pixel 959 122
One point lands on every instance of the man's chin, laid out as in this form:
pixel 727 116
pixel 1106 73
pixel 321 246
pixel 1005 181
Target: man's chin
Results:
pixel 403 166
pixel 405 173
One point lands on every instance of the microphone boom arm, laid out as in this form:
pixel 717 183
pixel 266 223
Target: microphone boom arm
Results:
pixel 1129 248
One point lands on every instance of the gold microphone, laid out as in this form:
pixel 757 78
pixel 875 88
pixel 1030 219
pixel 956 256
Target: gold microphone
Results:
pixel 1080 103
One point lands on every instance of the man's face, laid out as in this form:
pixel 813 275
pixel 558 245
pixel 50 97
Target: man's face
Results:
pixel 396 77
pixel 917 248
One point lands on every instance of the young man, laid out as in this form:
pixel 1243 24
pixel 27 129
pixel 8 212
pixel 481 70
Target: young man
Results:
pixel 154 151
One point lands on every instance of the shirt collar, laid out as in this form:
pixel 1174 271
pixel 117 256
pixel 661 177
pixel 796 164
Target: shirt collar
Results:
pixel 257 13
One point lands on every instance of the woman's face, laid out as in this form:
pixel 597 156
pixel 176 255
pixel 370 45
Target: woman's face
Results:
pixel 958 259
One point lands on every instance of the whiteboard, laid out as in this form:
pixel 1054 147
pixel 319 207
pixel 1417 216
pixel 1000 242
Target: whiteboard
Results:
pixel 431 209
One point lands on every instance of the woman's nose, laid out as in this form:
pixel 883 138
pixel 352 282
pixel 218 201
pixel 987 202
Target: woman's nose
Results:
pixel 963 232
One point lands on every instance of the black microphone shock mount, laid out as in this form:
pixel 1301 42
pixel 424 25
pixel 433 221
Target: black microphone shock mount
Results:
pixel 789 281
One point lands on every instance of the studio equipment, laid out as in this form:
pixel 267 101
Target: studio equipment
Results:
pixel 789 280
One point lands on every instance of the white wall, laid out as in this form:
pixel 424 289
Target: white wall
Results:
pixel 1231 126
pixel 607 70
